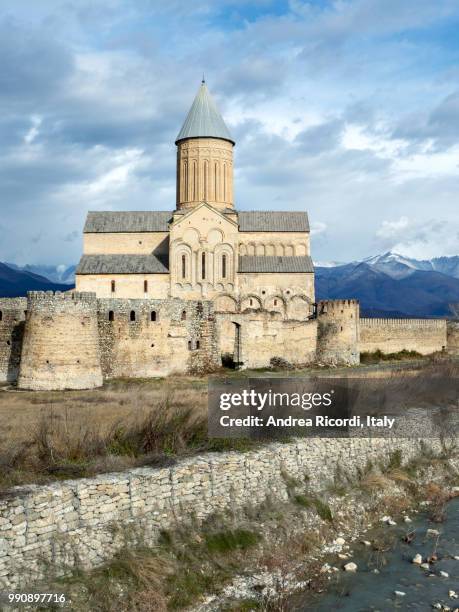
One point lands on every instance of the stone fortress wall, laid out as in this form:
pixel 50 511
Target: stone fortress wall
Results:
pixel 60 348
pixel 147 338
pixel 75 340
pixel 84 523
pixel 425 336
pixel 12 321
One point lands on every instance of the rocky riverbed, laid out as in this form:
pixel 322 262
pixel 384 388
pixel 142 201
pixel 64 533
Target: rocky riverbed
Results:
pixel 417 568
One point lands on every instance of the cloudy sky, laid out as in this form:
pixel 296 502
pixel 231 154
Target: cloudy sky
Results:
pixel 348 109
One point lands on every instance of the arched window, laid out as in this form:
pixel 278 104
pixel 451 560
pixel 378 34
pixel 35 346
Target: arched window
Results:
pixel 224 183
pixel 216 181
pixel 251 302
pixel 111 315
pixel 185 181
pixel 195 182
pixel 132 315
pixel 275 302
pixel 203 265
pixel 206 178
pixel 113 286
pixel 153 316
pixel 145 286
pixel 183 266
pixel 183 317
pixel 197 344
pixel 189 345
pixel 223 266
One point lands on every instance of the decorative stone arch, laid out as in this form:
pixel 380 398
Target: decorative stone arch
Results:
pixel 299 307
pixel 225 303
pixel 270 250
pixel 251 248
pixel 288 250
pixel 279 250
pixel 242 249
pixel 275 303
pixel 260 249
pixel 215 236
pixel 301 250
pixel 251 302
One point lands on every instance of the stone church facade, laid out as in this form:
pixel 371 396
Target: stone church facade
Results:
pixel 205 248
pixel 184 291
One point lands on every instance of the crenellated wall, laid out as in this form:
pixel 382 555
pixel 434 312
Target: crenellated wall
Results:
pixel 12 318
pixel 74 340
pixel 425 336
pixel 147 338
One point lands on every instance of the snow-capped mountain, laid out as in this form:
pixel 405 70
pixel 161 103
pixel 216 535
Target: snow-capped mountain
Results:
pixel 399 266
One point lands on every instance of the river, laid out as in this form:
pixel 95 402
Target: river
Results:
pixel 365 590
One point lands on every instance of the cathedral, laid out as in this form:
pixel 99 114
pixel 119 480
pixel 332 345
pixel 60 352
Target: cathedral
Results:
pixel 205 248
pixel 161 293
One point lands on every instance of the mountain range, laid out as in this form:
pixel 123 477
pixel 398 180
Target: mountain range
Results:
pixel 392 285
pixel 387 285
pixel 16 282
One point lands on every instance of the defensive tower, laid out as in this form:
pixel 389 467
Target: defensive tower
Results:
pixel 61 342
pixel 338 332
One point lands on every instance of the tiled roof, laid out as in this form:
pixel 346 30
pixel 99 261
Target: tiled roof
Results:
pixel 204 119
pixel 273 221
pixel 129 221
pixel 261 263
pixel 123 264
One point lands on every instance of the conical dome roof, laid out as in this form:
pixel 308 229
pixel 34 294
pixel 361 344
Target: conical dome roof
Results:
pixel 204 119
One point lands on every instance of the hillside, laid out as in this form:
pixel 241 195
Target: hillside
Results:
pixel 16 283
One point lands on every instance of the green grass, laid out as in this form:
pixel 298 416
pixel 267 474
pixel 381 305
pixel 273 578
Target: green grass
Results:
pixel 378 356
pixel 321 507
pixel 225 541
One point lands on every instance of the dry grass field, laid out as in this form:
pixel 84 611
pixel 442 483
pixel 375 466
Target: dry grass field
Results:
pixel 71 434
pixel 46 435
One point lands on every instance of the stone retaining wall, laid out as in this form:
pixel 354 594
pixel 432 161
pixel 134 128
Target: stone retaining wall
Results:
pixel 85 522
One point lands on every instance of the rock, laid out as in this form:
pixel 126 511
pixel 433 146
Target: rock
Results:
pixel 417 559
pixel 399 593
pixel 350 567
pixel 425 566
pixel 376 571
pixel 391 522
pixel 452 595
pixel 433 532
pixel 407 519
pixel 366 543
pixel 384 519
pixel 325 568
pixel 444 574
pixel 456 557
pixel 342 556
pixel 437 606
pixel 340 541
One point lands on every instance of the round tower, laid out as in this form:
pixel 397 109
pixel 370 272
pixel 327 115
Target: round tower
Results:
pixel 61 342
pixel 338 332
pixel 204 156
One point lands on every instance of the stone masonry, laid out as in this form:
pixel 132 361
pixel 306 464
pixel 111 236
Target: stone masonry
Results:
pixel 50 529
